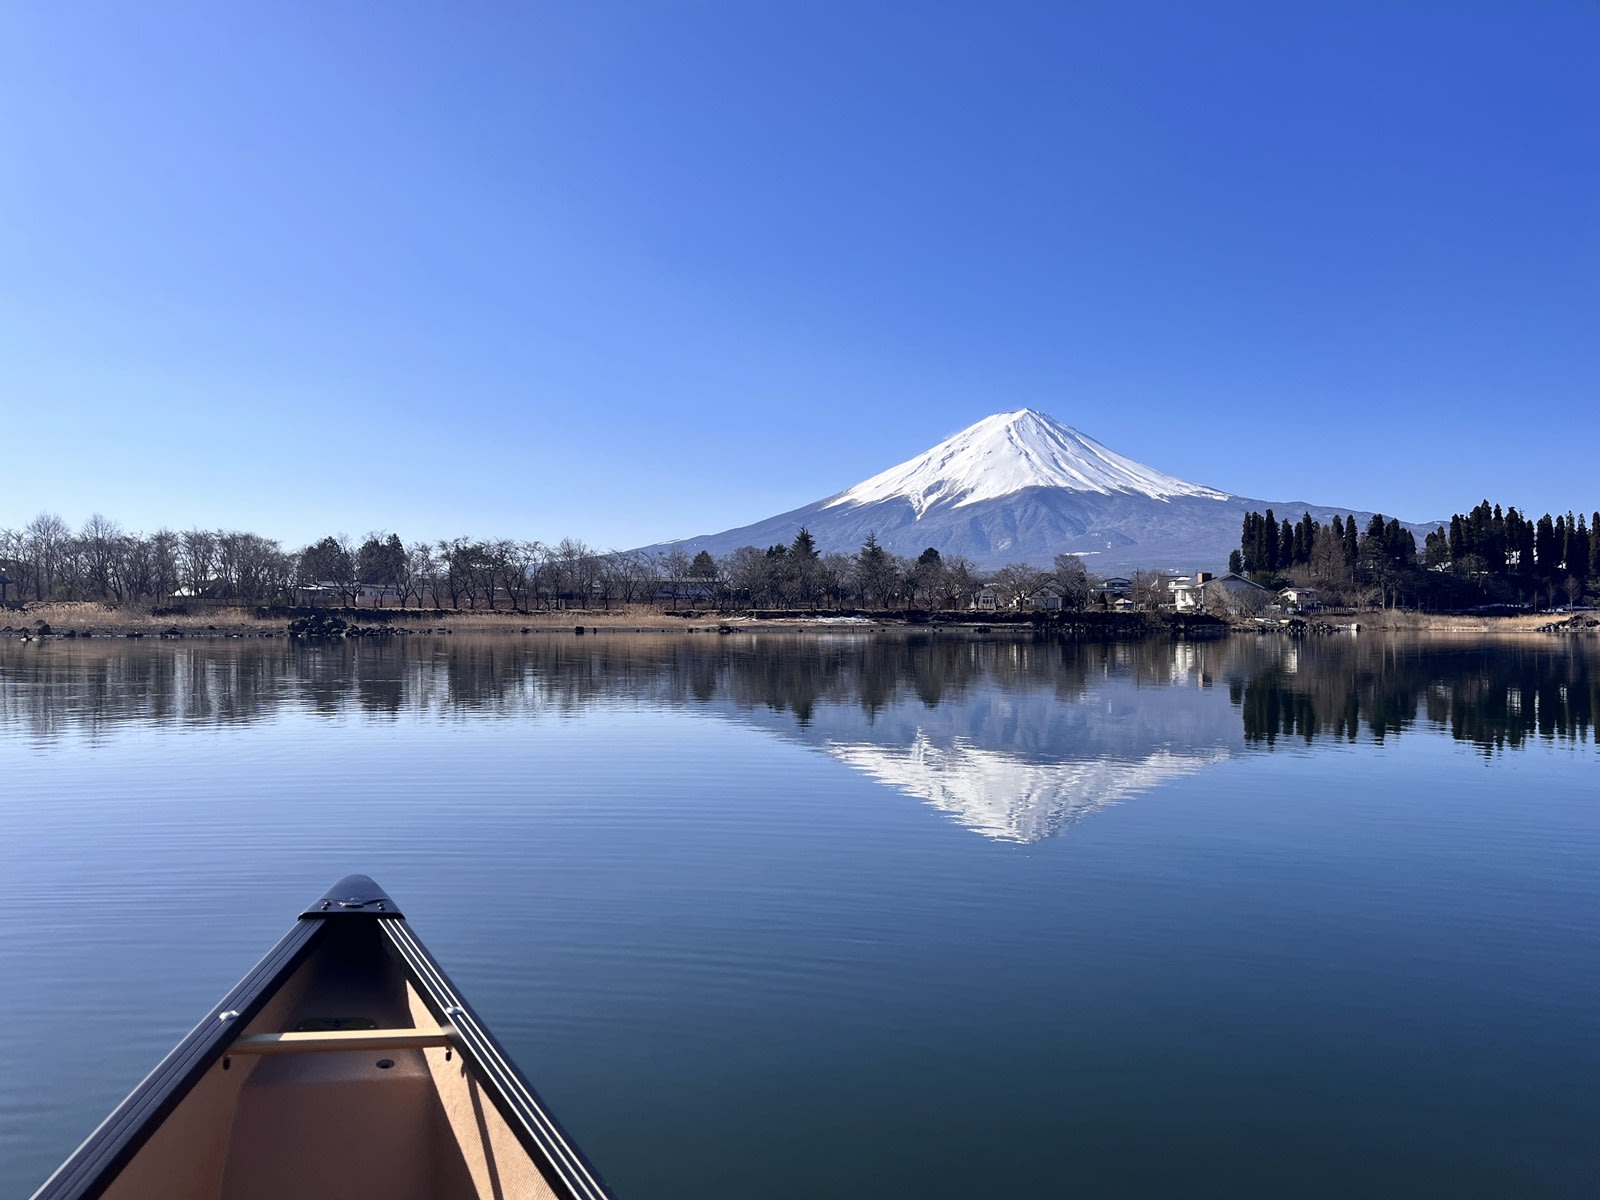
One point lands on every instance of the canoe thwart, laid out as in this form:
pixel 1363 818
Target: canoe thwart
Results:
pixel 304 1041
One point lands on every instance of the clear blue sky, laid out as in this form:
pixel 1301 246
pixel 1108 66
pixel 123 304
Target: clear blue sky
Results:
pixel 637 271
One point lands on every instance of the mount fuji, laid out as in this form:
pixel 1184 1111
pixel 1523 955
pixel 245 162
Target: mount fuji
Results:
pixel 1024 487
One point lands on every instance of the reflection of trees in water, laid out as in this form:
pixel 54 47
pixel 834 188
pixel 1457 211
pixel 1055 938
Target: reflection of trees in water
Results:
pixel 1494 695
pixel 93 686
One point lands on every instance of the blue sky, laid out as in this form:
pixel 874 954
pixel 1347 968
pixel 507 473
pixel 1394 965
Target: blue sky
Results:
pixel 633 272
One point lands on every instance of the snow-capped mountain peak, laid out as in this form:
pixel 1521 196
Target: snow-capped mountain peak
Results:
pixel 1007 453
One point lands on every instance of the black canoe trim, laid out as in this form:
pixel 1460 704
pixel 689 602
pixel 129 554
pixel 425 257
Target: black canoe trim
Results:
pixel 96 1163
pixel 539 1132
pixel 354 896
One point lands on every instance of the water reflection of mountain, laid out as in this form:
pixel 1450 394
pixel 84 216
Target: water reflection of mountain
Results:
pixel 1008 798
pixel 1014 737
pixel 1021 759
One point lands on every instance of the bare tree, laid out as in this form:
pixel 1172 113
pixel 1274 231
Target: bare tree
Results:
pixel 1072 578
pixel 676 565
pixel 14 566
pixel 134 568
pixel 164 558
pixel 1150 591
pixel 958 581
pixel 252 567
pixel 519 568
pixel 101 544
pixel 577 570
pixel 622 573
pixel 835 570
pixel 746 569
pixel 1014 582
pixel 421 569
pixel 197 560
pixel 45 543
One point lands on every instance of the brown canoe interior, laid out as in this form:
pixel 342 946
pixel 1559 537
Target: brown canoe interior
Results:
pixel 319 1124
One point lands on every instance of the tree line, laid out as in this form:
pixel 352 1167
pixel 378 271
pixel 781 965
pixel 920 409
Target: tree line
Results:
pixel 48 560
pixel 1488 556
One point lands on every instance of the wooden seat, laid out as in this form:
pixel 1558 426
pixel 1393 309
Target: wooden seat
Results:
pixel 311 1040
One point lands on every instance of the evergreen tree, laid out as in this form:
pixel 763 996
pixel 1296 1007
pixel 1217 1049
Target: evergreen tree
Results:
pixel 875 572
pixel 1578 560
pixel 1546 549
pixel 1436 549
pixel 803 547
pixel 1305 539
pixel 1236 563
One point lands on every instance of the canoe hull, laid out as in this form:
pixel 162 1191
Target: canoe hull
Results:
pixel 346 1063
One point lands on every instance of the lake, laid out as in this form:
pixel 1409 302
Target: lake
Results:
pixel 859 914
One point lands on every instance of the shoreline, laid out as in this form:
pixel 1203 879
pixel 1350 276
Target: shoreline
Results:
pixel 91 619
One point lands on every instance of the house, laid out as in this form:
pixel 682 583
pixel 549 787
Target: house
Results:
pixel 1188 594
pixel 215 588
pixel 1044 598
pixel 1236 591
pixel 378 595
pixel 1298 599
pixel 986 600
pixel 1205 592
pixel 1111 587
pixel 318 595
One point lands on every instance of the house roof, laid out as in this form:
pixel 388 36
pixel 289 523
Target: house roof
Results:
pixel 1233 578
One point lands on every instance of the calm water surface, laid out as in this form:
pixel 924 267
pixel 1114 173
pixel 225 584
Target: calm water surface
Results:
pixel 848 915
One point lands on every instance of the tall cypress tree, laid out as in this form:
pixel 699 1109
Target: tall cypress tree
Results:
pixel 1545 550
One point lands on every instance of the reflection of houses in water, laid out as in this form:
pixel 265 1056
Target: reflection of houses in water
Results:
pixel 1005 797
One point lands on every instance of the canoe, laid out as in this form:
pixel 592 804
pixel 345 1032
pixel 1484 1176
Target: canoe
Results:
pixel 344 1065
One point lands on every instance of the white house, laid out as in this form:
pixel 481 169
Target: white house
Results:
pixel 1298 599
pixel 1188 593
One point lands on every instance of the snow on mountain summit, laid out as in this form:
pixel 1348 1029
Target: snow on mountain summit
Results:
pixel 1007 453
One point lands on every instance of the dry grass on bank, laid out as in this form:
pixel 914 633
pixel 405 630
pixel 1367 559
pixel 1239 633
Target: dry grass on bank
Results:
pixel 90 616
pixel 1398 619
